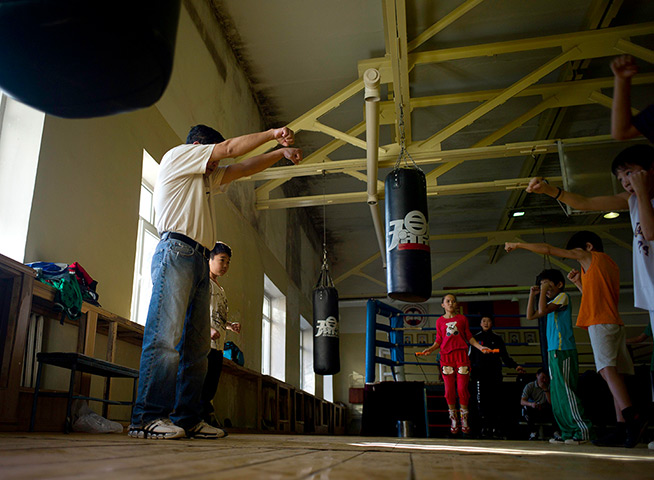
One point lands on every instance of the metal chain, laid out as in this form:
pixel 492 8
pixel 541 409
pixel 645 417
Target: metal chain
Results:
pixel 324 219
pixel 404 153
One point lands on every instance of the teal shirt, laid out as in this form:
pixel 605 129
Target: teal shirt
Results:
pixel 559 325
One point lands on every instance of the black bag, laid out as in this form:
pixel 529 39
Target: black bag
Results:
pixel 233 353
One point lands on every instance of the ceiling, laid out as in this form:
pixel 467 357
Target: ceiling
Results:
pixel 485 88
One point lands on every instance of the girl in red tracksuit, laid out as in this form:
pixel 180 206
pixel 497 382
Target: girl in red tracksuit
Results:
pixel 452 332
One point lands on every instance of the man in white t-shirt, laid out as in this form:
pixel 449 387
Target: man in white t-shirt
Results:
pixel 176 340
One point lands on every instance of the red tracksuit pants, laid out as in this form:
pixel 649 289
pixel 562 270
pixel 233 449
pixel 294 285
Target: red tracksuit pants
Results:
pixel 455 367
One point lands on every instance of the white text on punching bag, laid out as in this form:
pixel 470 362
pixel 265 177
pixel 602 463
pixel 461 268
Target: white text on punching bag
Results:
pixel 410 230
pixel 327 327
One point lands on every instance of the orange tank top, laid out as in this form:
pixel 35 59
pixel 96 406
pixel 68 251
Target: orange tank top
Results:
pixel 600 291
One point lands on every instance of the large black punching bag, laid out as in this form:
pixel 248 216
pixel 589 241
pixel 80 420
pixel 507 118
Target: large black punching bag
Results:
pixel 408 259
pixel 87 58
pixel 326 354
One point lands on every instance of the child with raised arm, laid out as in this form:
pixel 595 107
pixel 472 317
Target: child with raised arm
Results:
pixel 623 125
pixel 554 303
pixel 452 333
pixel 599 282
pixel 634 168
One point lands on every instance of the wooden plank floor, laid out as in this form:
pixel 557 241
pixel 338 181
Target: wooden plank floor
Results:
pixel 243 456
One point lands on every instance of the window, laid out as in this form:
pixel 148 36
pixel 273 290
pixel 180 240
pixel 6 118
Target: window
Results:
pixel 146 242
pixel 265 335
pixel 328 387
pixel 273 331
pixel 21 130
pixel 307 377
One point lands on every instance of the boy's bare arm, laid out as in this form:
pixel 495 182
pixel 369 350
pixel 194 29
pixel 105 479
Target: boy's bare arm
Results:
pixel 622 127
pixel 547 249
pixel 601 203
pixel 532 314
pixel 575 277
pixel 639 182
pixel 545 308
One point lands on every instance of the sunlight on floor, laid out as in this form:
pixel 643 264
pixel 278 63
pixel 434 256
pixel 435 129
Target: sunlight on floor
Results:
pixel 500 451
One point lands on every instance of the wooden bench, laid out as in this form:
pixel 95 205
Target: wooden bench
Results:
pixel 77 362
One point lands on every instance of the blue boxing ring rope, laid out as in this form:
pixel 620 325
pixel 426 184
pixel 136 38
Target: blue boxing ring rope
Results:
pixel 395 341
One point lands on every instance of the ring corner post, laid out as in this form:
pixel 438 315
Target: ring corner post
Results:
pixel 371 319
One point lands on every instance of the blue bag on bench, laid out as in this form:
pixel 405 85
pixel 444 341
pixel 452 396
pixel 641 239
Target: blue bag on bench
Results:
pixel 233 353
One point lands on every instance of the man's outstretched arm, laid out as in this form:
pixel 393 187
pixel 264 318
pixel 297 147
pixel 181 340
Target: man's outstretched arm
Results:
pixel 259 163
pixel 237 146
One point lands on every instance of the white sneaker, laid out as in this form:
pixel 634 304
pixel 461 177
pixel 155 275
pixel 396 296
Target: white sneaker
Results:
pixel 160 429
pixel 204 430
pixel 558 440
pixel 574 441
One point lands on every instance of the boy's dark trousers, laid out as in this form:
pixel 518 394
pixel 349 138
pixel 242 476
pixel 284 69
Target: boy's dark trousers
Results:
pixel 211 382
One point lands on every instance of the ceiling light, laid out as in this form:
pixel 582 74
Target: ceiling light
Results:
pixel 519 213
pixel 611 215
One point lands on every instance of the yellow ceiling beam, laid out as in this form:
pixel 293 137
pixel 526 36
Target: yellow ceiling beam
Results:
pixel 319 156
pixel 616 240
pixel 635 50
pixel 368 277
pixel 388 160
pixel 337 134
pixel 387 111
pixel 396 48
pixel 433 190
pixel 499 99
pixel 463 259
pixel 444 22
pixel 357 268
pixel 564 42
pixel 507 235
pixel 306 120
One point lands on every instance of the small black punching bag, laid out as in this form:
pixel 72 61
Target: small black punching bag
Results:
pixel 87 58
pixel 408 272
pixel 326 355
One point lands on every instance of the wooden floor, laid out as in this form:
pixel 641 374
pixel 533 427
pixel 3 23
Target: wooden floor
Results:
pixel 243 456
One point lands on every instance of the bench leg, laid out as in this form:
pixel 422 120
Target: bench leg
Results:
pixel 69 420
pixel 133 398
pixel 36 397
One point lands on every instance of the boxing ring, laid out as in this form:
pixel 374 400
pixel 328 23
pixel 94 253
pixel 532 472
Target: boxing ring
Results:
pixel 395 333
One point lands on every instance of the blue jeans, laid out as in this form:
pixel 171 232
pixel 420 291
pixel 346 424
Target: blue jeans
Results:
pixel 176 340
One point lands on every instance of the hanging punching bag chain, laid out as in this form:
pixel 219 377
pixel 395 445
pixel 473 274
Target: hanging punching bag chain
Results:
pixel 404 153
pixel 326 353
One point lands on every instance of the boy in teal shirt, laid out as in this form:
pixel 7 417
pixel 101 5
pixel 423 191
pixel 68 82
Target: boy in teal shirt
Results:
pixel 563 362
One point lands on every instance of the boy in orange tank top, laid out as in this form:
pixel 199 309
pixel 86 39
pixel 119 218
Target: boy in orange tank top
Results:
pixel 599 282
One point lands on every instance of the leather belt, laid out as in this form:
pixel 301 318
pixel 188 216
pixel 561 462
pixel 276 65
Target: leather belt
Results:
pixel 189 241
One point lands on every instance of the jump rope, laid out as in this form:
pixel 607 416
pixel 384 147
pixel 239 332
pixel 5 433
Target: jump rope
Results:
pixel 420 354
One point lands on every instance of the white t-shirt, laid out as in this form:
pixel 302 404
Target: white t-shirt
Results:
pixel 643 258
pixel 182 195
pixel 219 311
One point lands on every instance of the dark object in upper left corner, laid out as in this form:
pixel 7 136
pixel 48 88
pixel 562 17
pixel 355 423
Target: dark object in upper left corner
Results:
pixel 83 59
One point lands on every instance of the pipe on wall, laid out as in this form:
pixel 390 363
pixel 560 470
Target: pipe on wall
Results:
pixel 372 96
